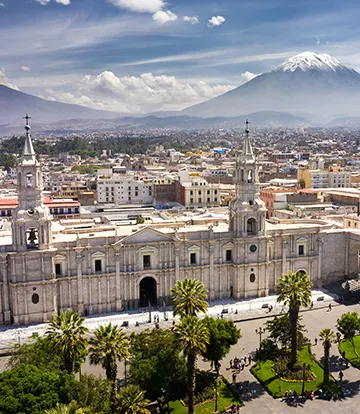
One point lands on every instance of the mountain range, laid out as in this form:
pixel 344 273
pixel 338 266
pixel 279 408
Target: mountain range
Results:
pixel 305 89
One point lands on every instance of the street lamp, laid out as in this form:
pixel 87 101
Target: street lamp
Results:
pixel 260 332
pixel 304 368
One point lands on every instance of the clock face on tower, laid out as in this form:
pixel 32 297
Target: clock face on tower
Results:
pixel 31 211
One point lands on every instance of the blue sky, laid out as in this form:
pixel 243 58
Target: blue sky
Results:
pixel 148 55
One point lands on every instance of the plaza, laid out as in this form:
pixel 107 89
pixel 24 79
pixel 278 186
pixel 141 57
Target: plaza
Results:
pixel 251 315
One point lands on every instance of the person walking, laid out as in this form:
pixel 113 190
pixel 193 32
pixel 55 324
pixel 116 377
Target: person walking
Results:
pixel 341 375
pixel 329 309
pixel 316 341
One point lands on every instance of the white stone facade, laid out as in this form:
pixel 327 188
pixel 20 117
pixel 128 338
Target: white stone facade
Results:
pixel 110 269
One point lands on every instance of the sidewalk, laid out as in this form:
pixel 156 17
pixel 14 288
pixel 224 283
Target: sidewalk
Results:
pixel 238 311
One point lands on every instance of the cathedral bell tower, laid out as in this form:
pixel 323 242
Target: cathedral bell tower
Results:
pixel 31 221
pixel 247 211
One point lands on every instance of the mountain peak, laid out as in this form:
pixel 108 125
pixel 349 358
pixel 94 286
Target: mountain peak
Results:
pixel 310 61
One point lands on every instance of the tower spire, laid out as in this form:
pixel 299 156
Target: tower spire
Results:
pixel 28 155
pixel 247 152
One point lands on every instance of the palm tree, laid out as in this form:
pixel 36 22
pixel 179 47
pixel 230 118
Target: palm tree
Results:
pixel 71 408
pixel 131 400
pixel 189 298
pixel 108 345
pixel 193 335
pixel 328 337
pixel 294 290
pixel 67 332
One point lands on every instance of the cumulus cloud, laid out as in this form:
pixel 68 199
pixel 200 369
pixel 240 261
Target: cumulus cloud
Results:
pixel 164 16
pixel 64 2
pixel 145 93
pixel 25 68
pixel 191 19
pixel 247 76
pixel 140 6
pixel 5 81
pixel 2 4
pixel 43 2
pixel 216 21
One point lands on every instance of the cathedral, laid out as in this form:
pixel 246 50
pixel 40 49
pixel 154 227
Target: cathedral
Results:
pixel 45 268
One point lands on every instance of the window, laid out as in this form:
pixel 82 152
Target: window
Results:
pixel 35 298
pixel 191 200
pixel 193 258
pixel 98 265
pixel 215 191
pixel 252 277
pixel 58 269
pixel 208 199
pixel 208 192
pixel 191 192
pixel 199 200
pixel 301 250
pixel 253 248
pixel 251 226
pixel 146 261
pixel 229 255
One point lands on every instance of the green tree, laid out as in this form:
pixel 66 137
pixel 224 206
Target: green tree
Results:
pixel 349 324
pixel 327 336
pixel 279 330
pixel 39 351
pixel 71 408
pixel 67 332
pixel 294 290
pixel 193 336
pixel 222 335
pixel 28 389
pixel 108 345
pixel 156 365
pixel 140 219
pixel 131 400
pixel 94 393
pixel 189 298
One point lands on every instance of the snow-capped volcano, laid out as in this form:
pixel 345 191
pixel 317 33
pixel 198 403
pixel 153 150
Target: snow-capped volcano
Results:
pixel 310 61
pixel 308 83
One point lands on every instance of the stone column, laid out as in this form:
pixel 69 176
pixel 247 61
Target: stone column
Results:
pixel 284 244
pixel 79 258
pixel 117 282
pixel 213 280
pixel 6 315
pixel 177 264
pixel 320 248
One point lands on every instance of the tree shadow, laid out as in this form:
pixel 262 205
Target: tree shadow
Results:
pixel 351 389
pixel 336 363
pixel 249 390
pixel 294 402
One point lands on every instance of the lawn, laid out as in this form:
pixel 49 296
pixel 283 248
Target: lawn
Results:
pixel 225 400
pixel 263 371
pixel 347 347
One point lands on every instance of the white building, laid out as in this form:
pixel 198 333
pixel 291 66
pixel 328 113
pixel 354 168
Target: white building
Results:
pixel 123 189
pixel 45 269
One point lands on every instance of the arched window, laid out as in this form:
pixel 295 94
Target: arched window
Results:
pixel 251 226
pixel 250 176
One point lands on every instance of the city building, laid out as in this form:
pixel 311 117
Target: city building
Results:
pixel 45 268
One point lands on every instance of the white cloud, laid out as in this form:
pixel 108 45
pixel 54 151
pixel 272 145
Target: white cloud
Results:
pixel 25 68
pixel 63 2
pixel 247 76
pixel 191 19
pixel 145 93
pixel 140 6
pixel 2 4
pixel 164 16
pixel 216 21
pixel 5 81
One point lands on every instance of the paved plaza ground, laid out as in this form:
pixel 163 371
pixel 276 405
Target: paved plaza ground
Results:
pixel 250 316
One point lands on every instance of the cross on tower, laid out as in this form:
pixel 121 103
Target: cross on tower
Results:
pixel 27 117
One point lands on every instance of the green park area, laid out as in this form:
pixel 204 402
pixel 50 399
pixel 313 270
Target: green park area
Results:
pixel 276 386
pixel 226 398
pixel 349 349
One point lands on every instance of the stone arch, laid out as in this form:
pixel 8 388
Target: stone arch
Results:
pixel 148 287
pixel 251 226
